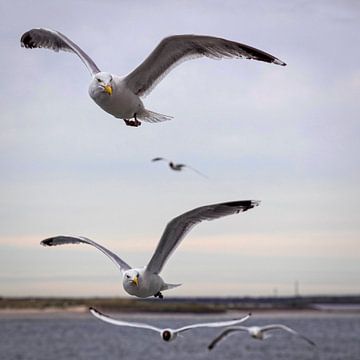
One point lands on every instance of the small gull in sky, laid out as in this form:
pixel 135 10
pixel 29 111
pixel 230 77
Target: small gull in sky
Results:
pixel 146 281
pixel 178 167
pixel 120 95
pixel 257 332
pixel 166 334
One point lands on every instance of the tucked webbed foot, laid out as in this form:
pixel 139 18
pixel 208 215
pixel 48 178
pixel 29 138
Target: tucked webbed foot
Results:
pixel 134 123
pixel 159 295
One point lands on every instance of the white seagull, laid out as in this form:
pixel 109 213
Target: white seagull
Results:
pixel 257 332
pixel 177 166
pixel 166 334
pixel 120 95
pixel 146 281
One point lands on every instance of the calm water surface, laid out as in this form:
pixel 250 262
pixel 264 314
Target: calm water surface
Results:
pixel 82 337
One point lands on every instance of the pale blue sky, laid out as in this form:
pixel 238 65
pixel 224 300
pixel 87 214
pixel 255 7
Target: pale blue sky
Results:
pixel 287 136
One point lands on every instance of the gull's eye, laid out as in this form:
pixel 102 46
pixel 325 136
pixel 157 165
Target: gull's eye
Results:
pixel 99 80
pixel 128 276
pixel 137 275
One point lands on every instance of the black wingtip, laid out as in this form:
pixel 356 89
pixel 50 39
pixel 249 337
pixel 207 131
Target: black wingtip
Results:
pixel 278 62
pixel 311 343
pixel 210 347
pixel 46 242
pixel 246 204
pixel 95 311
pixel 26 40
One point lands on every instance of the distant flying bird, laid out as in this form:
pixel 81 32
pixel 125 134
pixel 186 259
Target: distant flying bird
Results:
pixel 120 95
pixel 257 332
pixel 146 281
pixel 166 334
pixel 178 167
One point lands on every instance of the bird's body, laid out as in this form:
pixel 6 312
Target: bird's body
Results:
pixel 177 166
pixel 257 332
pixel 122 103
pixel 166 334
pixel 146 281
pixel 151 284
pixel 120 96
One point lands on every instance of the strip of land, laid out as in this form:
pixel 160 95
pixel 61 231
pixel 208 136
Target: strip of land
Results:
pixel 184 305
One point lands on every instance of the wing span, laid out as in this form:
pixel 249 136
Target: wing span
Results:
pixel 174 49
pixel 64 240
pixel 178 227
pixel 54 40
pixel 213 324
pixel 286 328
pixel 113 321
pixel 225 333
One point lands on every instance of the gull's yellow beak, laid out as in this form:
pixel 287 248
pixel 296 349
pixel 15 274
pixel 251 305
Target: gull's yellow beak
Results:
pixel 108 89
pixel 135 281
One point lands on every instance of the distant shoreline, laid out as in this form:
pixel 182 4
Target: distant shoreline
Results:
pixel 204 305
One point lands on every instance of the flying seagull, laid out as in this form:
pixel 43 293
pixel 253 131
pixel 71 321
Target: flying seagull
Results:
pixel 166 334
pixel 146 281
pixel 257 332
pixel 178 167
pixel 120 95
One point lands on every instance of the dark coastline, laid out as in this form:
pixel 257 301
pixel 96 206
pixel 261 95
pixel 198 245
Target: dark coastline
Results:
pixel 185 304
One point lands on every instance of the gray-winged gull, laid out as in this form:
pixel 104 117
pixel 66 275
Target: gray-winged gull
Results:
pixel 257 332
pixel 178 166
pixel 120 95
pixel 167 334
pixel 146 281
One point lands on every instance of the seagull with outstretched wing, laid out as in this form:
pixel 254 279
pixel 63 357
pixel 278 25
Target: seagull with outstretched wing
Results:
pixel 257 332
pixel 146 281
pixel 177 166
pixel 120 95
pixel 167 334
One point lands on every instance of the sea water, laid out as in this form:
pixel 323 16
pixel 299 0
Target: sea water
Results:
pixel 67 336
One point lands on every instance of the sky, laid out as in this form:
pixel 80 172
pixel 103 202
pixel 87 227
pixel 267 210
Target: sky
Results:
pixel 288 136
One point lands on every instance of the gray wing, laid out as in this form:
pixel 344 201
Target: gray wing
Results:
pixel 175 49
pixel 212 324
pixel 178 227
pixel 64 240
pixel 197 171
pixel 113 321
pixel 286 328
pixel 159 159
pixel 54 40
pixel 226 333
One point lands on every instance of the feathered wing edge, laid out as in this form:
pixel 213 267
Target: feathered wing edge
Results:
pixel 215 324
pixel 225 333
pixel 54 40
pixel 173 50
pixel 289 330
pixel 178 227
pixel 110 320
pixel 66 239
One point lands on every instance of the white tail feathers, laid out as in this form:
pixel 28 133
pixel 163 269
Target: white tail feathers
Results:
pixel 169 286
pixel 152 117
